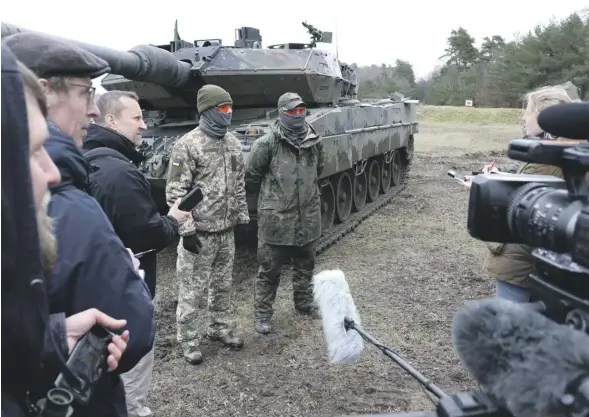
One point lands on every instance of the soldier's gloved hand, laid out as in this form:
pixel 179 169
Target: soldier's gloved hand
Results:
pixel 191 242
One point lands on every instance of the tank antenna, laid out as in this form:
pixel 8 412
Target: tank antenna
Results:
pixel 336 41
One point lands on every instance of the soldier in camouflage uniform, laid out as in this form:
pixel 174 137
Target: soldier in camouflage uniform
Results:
pixel 284 167
pixel 208 157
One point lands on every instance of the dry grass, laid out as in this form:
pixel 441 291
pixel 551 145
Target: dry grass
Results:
pixel 409 267
pixel 470 115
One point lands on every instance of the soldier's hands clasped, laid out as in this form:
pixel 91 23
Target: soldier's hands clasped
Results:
pixel 179 215
pixel 191 242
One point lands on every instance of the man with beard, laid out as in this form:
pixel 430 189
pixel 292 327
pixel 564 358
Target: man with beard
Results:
pixel 94 269
pixel 32 338
pixel 283 168
pixel 125 196
pixel 209 158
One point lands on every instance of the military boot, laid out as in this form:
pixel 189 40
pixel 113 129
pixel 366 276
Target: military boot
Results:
pixel 262 325
pixel 312 312
pixel 192 355
pixel 230 340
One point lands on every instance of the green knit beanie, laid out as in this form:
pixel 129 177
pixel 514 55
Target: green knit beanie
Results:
pixel 211 95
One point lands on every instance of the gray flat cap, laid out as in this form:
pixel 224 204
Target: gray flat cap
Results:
pixel 48 56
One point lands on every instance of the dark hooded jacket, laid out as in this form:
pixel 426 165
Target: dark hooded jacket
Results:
pixel 125 196
pixel 95 270
pixel 26 324
pixel 286 176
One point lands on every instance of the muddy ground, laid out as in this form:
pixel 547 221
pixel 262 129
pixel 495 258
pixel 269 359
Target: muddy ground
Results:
pixel 409 268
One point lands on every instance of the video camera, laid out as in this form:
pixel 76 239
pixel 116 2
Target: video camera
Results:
pixel 527 362
pixel 549 214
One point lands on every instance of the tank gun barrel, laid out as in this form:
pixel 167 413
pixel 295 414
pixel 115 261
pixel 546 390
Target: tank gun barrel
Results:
pixel 141 63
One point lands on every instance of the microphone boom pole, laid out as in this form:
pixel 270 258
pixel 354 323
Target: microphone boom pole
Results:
pixel 427 384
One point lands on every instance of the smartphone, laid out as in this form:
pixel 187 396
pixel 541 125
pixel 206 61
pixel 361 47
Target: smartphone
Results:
pixel 457 176
pixel 191 200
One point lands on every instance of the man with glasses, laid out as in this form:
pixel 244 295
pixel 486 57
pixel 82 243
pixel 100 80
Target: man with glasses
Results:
pixel 283 168
pixel 208 157
pixel 94 269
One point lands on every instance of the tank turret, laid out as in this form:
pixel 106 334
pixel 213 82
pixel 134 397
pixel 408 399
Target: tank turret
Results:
pixel 368 147
pixel 255 76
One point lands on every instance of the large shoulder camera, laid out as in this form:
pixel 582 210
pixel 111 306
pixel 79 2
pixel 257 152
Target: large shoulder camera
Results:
pixel 547 213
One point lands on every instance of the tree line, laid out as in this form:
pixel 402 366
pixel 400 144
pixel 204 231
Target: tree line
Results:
pixel 496 74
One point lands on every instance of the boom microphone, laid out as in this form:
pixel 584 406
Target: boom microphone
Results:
pixel 527 363
pixel 332 295
pixel 566 120
pixel 339 317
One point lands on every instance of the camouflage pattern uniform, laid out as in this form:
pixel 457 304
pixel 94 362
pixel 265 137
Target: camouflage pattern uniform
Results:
pixel 217 167
pixel 286 177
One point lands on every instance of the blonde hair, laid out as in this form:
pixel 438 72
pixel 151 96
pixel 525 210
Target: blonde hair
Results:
pixel 537 100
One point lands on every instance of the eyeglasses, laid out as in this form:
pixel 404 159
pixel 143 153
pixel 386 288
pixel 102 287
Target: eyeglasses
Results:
pixel 90 90
pixel 225 108
pixel 297 111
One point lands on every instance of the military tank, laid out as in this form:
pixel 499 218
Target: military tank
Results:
pixel 368 146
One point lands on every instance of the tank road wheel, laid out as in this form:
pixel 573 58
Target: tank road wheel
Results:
pixel 373 178
pixel 396 168
pixel 327 207
pixel 385 174
pixel 360 191
pixel 343 196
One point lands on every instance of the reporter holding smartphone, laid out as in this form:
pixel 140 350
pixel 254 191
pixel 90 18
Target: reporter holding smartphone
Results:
pixel 124 194
pixel 31 337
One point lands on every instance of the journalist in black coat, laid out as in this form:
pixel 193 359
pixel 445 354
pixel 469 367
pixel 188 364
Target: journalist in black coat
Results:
pixel 121 188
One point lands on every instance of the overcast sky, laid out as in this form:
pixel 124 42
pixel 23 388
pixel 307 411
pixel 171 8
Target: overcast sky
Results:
pixel 366 32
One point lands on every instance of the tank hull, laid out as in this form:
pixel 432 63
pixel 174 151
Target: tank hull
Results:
pixel 368 147
pixel 368 151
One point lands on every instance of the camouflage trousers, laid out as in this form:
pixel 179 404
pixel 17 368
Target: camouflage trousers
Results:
pixel 271 259
pixel 210 269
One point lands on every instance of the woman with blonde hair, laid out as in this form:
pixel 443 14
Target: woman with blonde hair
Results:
pixel 511 264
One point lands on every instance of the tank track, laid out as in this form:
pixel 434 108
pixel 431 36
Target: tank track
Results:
pixel 338 231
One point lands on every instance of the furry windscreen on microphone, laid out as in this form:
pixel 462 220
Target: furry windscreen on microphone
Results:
pixel 332 295
pixel 523 360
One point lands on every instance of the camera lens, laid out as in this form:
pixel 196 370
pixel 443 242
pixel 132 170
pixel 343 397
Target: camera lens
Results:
pixel 543 216
pixel 58 401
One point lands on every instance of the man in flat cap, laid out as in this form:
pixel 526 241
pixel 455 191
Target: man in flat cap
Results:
pixel 208 157
pixel 283 168
pixel 94 269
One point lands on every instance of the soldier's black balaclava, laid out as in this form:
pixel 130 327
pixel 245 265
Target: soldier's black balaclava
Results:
pixel 293 127
pixel 215 123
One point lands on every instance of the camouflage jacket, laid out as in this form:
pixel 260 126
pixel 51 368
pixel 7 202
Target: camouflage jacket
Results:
pixel 216 166
pixel 286 177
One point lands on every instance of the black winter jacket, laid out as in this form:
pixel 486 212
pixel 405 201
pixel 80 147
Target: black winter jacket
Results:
pixel 95 270
pixel 125 196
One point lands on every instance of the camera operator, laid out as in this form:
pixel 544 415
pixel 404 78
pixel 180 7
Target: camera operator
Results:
pixel 28 246
pixel 511 264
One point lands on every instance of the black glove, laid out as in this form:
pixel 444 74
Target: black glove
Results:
pixel 191 242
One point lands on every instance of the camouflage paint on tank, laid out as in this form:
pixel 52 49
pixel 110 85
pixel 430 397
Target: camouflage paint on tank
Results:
pixel 167 79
